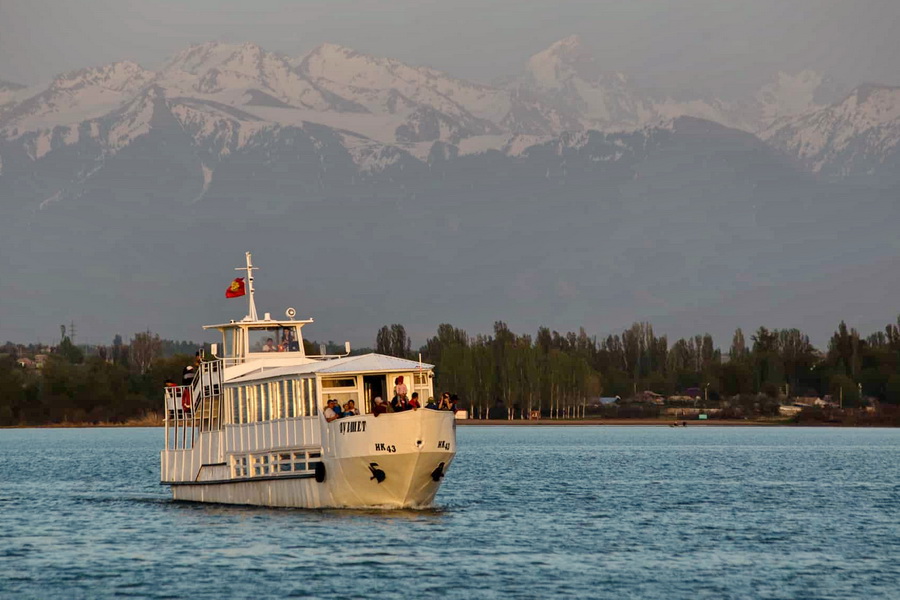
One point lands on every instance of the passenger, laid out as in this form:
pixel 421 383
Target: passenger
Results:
pixel 400 388
pixel 270 346
pixel 444 404
pixel 188 374
pixel 379 408
pixel 431 404
pixel 288 343
pixel 330 414
pixel 350 409
pixel 414 401
pixel 396 404
pixel 169 383
pixel 454 403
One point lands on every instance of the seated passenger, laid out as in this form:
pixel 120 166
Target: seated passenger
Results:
pixel 431 404
pixel 269 346
pixel 329 413
pixel 379 408
pixel 444 404
pixel 414 401
pixel 350 409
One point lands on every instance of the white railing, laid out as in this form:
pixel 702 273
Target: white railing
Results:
pixel 194 408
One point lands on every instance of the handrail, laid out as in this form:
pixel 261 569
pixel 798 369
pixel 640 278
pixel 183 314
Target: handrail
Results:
pixel 198 406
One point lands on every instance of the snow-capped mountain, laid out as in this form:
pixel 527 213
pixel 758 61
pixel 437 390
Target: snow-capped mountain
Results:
pixel 381 113
pixel 565 75
pixel 858 136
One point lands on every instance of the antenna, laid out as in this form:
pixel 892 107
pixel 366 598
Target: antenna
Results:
pixel 249 268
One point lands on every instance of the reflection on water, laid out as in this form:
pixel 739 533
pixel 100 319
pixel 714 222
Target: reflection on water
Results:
pixel 524 513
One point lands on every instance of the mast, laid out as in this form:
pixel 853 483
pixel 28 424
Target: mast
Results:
pixel 249 268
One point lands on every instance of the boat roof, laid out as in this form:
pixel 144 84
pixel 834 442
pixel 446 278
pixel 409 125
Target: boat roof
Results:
pixel 263 323
pixel 363 363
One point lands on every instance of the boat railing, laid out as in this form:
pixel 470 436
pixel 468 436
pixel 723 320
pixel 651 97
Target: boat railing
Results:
pixel 191 409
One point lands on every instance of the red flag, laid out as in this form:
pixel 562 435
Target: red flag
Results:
pixel 236 288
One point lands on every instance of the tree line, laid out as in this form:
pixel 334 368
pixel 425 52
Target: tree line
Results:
pixel 503 374
pixel 559 373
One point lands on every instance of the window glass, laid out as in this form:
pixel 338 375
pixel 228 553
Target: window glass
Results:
pixel 339 383
pixel 273 339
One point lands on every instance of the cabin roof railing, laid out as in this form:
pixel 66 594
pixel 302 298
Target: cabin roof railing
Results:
pixel 257 323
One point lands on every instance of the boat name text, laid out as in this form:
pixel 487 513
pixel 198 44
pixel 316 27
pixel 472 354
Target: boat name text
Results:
pixel 353 426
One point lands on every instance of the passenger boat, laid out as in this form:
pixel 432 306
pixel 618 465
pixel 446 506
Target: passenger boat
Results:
pixel 251 428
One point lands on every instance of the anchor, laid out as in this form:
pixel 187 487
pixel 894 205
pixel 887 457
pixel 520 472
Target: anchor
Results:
pixel 377 474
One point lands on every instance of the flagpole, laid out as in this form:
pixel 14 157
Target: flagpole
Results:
pixel 250 268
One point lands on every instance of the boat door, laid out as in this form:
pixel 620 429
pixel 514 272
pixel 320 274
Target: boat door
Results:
pixel 373 386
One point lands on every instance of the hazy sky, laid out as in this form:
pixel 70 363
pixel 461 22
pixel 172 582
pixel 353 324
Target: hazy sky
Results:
pixel 712 45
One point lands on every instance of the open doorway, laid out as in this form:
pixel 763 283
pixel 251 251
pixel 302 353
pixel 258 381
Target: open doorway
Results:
pixel 374 386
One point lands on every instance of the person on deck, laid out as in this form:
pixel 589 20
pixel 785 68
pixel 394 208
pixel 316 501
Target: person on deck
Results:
pixel 431 404
pixel 270 346
pixel 444 404
pixel 454 403
pixel 188 374
pixel 379 408
pixel 414 401
pixel 330 414
pixel 400 388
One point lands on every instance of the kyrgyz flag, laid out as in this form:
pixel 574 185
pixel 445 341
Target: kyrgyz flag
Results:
pixel 236 288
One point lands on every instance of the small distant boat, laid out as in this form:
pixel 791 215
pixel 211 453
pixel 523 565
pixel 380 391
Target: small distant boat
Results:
pixel 251 427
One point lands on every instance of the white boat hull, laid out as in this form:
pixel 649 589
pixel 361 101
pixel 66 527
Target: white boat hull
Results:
pixel 349 483
pixel 391 461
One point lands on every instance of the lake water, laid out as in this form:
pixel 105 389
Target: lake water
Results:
pixel 525 512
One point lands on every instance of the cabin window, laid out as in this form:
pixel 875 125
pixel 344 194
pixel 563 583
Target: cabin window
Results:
pixel 338 383
pixel 310 391
pixel 267 464
pixel 289 398
pixel 341 389
pixel 228 349
pixel 273 339
pixel 244 405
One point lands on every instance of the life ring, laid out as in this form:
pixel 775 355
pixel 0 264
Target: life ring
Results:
pixel 186 399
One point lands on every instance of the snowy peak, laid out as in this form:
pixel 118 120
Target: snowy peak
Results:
pixel 125 76
pixel 859 135
pixel 789 95
pixel 568 78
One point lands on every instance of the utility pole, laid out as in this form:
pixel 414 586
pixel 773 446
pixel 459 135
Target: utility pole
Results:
pixel 72 332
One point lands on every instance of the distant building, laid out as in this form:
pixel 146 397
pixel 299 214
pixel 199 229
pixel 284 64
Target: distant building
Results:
pixel 648 397
pixel 26 363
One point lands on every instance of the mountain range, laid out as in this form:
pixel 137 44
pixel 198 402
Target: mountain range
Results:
pixel 562 194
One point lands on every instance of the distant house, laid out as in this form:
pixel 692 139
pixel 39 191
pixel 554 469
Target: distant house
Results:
pixel 648 397
pixel 26 363
pixel 607 400
pixel 39 360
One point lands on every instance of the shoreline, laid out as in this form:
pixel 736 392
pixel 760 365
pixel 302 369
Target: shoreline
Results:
pixel 626 422
pixel 589 422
